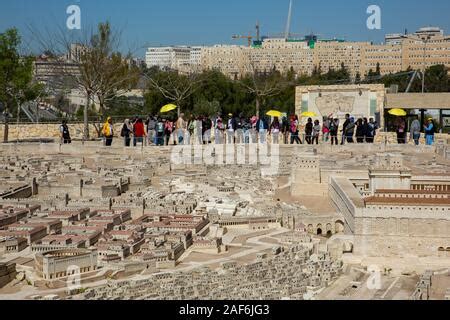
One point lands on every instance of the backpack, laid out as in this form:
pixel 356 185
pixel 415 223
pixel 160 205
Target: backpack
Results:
pixel 160 127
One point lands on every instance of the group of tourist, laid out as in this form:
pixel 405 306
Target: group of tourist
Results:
pixel 237 129
pixel 429 130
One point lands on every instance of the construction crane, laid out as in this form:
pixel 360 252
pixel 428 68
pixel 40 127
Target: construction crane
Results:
pixel 249 38
pixel 258 31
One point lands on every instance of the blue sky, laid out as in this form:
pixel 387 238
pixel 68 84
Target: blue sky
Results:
pixel 206 22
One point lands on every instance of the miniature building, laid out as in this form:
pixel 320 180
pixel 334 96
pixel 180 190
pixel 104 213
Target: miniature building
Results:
pixel 13 244
pixel 54 264
pixel 7 273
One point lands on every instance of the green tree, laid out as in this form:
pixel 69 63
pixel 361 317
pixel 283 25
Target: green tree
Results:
pixel 16 76
pixel 206 108
pixel 263 85
pixel 437 79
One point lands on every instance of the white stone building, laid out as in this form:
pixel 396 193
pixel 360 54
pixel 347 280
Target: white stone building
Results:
pixel 168 57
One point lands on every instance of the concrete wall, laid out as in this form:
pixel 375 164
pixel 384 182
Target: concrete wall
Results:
pixel 49 130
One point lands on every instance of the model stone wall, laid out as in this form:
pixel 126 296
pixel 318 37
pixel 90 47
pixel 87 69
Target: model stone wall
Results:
pixel 397 246
pixel 7 273
pixel 49 130
pixel 407 227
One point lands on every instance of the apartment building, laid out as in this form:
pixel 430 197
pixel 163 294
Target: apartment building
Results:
pixel 424 48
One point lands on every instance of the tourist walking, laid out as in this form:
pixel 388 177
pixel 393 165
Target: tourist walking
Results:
pixel 151 130
pixel 295 131
pixel 198 129
pixel 159 139
pixel 309 131
pixel 262 126
pixel 350 131
pixel 231 127
pixel 344 128
pixel 316 132
pixel 430 130
pixel 334 128
pixel 401 131
pixel 65 133
pixel 254 131
pixel 326 129
pixel 247 127
pixel 415 132
pixel 206 130
pixel 275 129
pixel 371 133
pixel 360 133
pixel 219 128
pixel 239 129
pixel 180 128
pixel 139 132
pixel 168 129
pixel 190 129
pixel 126 132
pixel 108 132
pixel 285 129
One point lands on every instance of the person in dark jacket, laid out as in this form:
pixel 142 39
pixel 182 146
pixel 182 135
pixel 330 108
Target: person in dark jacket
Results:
pixel 285 128
pixel 372 128
pixel 334 128
pixel 65 133
pixel 309 131
pixel 206 130
pixel 126 133
pixel 360 131
pixel 350 131
pixel 344 128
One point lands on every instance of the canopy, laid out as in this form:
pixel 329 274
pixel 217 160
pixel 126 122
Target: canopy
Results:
pixel 168 108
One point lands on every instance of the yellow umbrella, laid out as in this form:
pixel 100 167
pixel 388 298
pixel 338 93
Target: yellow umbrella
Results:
pixel 308 114
pixel 398 112
pixel 168 108
pixel 274 113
